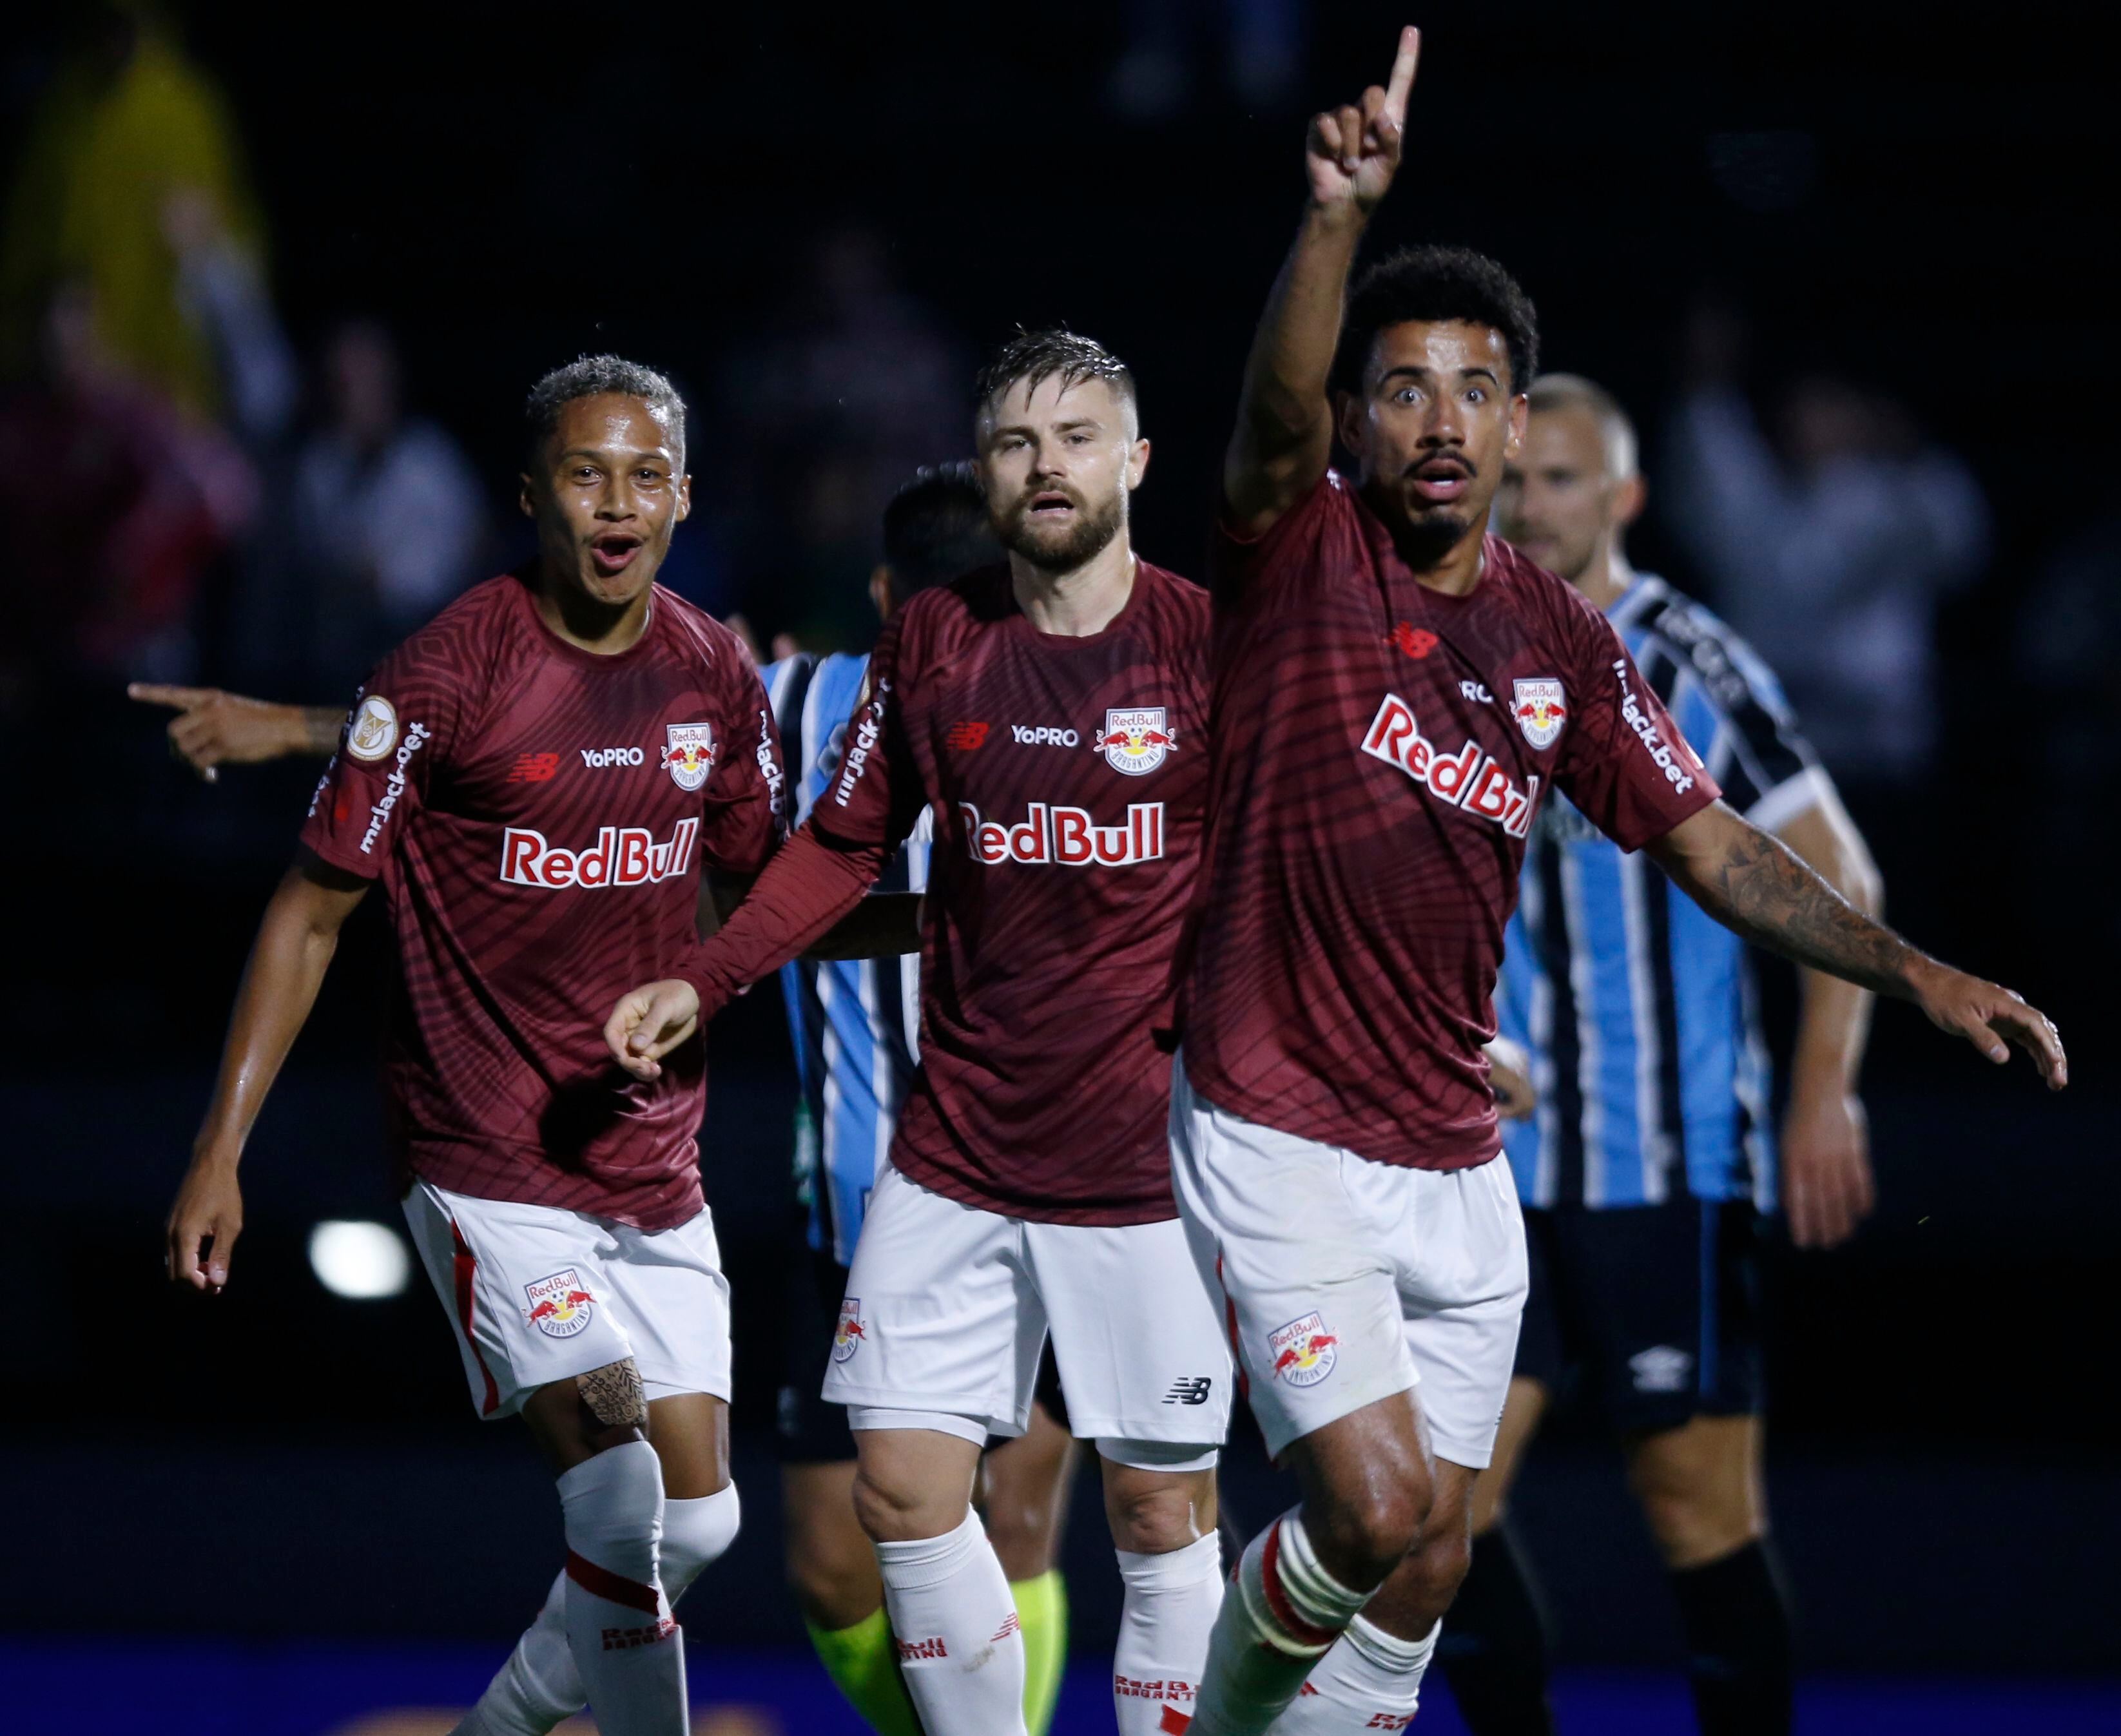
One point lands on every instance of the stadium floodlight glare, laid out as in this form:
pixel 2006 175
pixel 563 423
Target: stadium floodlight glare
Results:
pixel 358 1260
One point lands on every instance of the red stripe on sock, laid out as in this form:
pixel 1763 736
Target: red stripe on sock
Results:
pixel 1277 1599
pixel 467 1269
pixel 1173 1722
pixel 613 1587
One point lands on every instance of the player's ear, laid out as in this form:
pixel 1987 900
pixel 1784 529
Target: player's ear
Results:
pixel 684 498
pixel 1349 420
pixel 1520 420
pixel 523 496
pixel 880 590
pixel 1629 499
pixel 1137 464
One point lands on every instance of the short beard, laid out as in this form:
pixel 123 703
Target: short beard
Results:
pixel 1084 540
pixel 1423 542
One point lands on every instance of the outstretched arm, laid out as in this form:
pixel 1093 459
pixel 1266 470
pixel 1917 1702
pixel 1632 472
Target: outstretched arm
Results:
pixel 1751 883
pixel 213 727
pixel 294 945
pixel 1285 433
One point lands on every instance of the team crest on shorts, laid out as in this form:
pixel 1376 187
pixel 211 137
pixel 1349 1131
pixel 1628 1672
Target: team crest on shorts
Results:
pixel 1135 742
pixel 1302 1351
pixel 372 731
pixel 848 1335
pixel 690 754
pixel 560 1307
pixel 1539 709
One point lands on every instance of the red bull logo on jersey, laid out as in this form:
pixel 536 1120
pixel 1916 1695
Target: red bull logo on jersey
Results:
pixel 1303 1353
pixel 622 855
pixel 1066 837
pixel 1468 779
pixel 560 1305
pixel 849 1336
pixel 1540 709
pixel 688 754
pixel 1135 742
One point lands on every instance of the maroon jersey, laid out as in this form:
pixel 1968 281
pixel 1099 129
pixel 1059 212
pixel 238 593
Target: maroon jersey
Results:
pixel 1380 750
pixel 539 815
pixel 1065 780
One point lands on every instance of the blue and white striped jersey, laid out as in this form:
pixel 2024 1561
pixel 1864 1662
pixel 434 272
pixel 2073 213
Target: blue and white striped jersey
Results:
pixel 856 1022
pixel 1637 1008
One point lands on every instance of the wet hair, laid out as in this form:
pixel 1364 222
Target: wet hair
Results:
pixel 935 529
pixel 596 376
pixel 1434 283
pixel 1616 432
pixel 1031 357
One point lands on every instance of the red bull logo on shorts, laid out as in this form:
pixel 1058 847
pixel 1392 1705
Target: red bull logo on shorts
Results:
pixel 1540 709
pixel 1303 1353
pixel 1135 742
pixel 848 1335
pixel 689 754
pixel 560 1305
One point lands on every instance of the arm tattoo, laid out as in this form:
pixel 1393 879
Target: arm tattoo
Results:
pixel 615 1395
pixel 1761 891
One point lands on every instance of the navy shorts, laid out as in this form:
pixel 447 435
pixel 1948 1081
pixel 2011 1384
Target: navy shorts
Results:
pixel 1655 1308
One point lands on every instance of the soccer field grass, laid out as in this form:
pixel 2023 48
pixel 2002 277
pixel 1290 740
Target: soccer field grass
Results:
pixel 114 1687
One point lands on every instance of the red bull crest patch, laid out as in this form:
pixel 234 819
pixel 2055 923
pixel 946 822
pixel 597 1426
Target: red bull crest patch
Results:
pixel 1135 742
pixel 1303 1353
pixel 1540 709
pixel 560 1305
pixel 847 1337
pixel 689 754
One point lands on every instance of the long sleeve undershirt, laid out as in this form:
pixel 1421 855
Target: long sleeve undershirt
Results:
pixel 809 885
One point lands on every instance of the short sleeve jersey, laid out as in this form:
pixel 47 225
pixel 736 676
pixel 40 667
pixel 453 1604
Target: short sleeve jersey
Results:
pixel 537 816
pixel 1380 750
pixel 1065 778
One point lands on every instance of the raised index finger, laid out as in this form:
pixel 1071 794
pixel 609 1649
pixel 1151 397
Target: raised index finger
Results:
pixel 157 693
pixel 1402 74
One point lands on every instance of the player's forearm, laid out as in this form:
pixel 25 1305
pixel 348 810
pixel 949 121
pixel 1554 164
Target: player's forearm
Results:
pixel 881 925
pixel 313 730
pixel 807 887
pixel 1834 1017
pixel 1752 883
pixel 287 967
pixel 1283 416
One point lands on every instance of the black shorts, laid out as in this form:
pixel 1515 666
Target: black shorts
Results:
pixel 807 1429
pixel 1656 1308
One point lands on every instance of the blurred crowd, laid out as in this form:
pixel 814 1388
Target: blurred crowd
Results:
pixel 192 494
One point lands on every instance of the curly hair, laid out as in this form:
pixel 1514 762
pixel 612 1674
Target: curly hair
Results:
pixel 595 376
pixel 1437 283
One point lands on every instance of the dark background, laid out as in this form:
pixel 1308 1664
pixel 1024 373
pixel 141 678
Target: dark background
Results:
pixel 1919 198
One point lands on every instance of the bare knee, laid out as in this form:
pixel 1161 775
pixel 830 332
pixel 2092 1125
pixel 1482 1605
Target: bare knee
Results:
pixel 912 1483
pixel 1362 1530
pixel 574 1420
pixel 1699 1488
pixel 1155 1512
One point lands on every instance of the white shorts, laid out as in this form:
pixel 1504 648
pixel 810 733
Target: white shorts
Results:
pixel 536 1295
pixel 1348 1280
pixel 948 1307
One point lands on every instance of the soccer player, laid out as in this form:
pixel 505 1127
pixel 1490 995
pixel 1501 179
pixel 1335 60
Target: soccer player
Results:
pixel 855 1025
pixel 537 779
pixel 1395 697
pixel 1641 1176
pixel 1048 716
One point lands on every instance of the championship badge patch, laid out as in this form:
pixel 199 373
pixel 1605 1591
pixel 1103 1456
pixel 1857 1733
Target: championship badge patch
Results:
pixel 1302 1351
pixel 1135 742
pixel 560 1307
pixel 689 756
pixel 372 731
pixel 848 1335
pixel 1540 709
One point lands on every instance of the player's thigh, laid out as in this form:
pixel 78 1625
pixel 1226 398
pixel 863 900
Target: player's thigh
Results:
pixel 831 1562
pixel 940 1316
pixel 690 1433
pixel 1462 1280
pixel 1139 1342
pixel 1307 1280
pixel 1700 1488
pixel 1024 1486
pixel 526 1291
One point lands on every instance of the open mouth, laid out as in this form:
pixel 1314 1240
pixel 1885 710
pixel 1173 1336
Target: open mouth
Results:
pixel 613 552
pixel 1441 480
pixel 1050 504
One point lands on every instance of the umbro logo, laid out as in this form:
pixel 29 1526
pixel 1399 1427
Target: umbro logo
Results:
pixel 965 737
pixel 1189 1390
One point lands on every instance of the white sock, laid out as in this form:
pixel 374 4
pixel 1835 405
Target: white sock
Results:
pixel 539 1686
pixel 1371 1680
pixel 625 1643
pixel 960 1646
pixel 1169 1612
pixel 1282 1612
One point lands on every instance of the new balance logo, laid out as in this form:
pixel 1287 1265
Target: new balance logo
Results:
pixel 1013 1624
pixel 965 736
pixel 1189 1390
pixel 533 768
pixel 1417 642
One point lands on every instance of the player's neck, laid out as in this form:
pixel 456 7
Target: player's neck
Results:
pixel 604 628
pixel 1084 599
pixel 1605 581
pixel 1457 570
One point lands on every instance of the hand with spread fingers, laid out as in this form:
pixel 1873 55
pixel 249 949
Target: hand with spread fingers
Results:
pixel 1353 151
pixel 1991 1017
